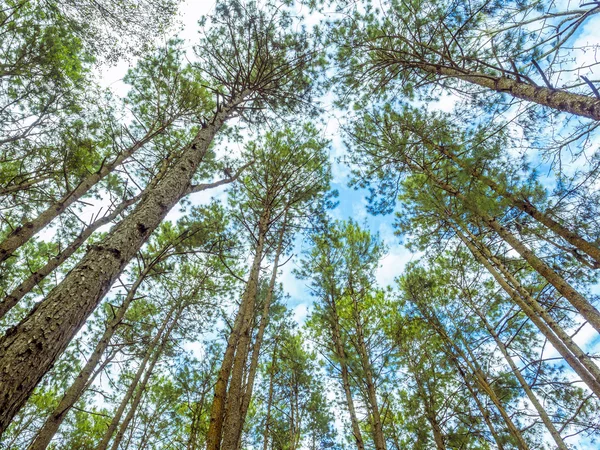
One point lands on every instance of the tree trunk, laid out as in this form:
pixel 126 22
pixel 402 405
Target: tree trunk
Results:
pixel 527 207
pixel 270 399
pixel 378 438
pixel 482 409
pixel 480 378
pixel 341 354
pixel 560 100
pixel 586 309
pixel 571 353
pixel 528 391
pixel 264 319
pixel 150 351
pixel 142 386
pixel 233 418
pixel 26 286
pixel 28 350
pixel 23 233
pixel 221 404
pixel 430 413
pixel 73 393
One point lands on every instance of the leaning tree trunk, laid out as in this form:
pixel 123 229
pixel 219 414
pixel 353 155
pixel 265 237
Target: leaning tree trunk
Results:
pixel 264 319
pixel 221 397
pixel 527 207
pixel 559 339
pixel 29 350
pixel 481 382
pixel 341 354
pixel 32 281
pixel 151 350
pixel 86 375
pixel 485 412
pixel 378 438
pixel 270 398
pixel 540 312
pixel 142 385
pixel 23 233
pixel 528 391
pixel 430 413
pixel 585 308
pixel 560 100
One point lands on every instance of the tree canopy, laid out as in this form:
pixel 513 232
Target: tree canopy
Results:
pixel 321 224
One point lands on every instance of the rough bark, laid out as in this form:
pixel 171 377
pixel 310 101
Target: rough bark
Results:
pixel 528 391
pixel 23 233
pixel 86 375
pixel 32 281
pixel 559 339
pixel 558 99
pixel 28 350
pixel 527 207
pixel 150 352
pixel 233 419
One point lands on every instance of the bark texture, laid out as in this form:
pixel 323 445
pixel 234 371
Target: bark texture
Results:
pixel 31 282
pixel 581 105
pixel 23 233
pixel 87 374
pixel 28 350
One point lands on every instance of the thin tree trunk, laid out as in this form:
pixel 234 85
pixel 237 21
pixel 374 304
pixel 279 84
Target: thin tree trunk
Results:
pixel 430 414
pixel 32 281
pixel 554 329
pixel 142 386
pixel 28 350
pixel 341 354
pixel 73 393
pixel 150 351
pixel 264 319
pixel 221 401
pixel 586 309
pixel 196 417
pixel 527 207
pixel 270 398
pixel 480 379
pixel 378 438
pixel 571 353
pixel 482 409
pixel 23 233
pixel 528 391
pixel 233 418
pixel 581 105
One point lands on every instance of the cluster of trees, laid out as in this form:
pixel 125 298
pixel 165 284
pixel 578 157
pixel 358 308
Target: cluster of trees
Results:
pixel 142 305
